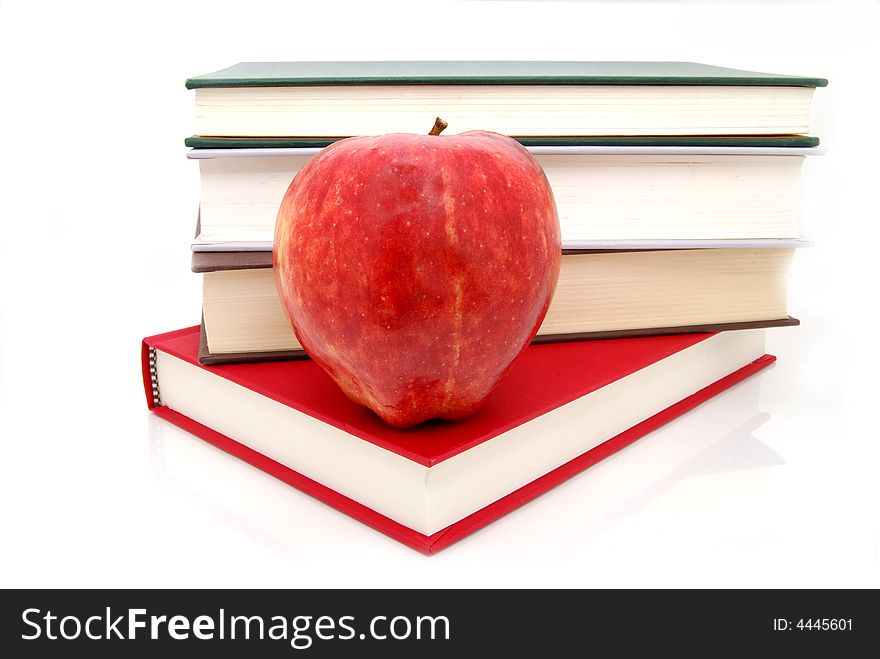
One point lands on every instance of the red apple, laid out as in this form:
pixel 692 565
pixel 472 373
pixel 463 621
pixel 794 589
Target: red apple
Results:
pixel 415 268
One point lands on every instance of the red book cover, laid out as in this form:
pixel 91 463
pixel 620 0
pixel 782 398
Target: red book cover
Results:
pixel 544 378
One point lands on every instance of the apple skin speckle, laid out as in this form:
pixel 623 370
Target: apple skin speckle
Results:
pixel 397 257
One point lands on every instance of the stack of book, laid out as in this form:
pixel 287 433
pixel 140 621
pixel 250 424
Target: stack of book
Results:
pixel 676 188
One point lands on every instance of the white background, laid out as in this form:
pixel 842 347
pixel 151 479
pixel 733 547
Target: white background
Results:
pixel 779 486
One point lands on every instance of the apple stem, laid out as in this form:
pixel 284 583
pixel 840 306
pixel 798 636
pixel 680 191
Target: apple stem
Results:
pixel 439 125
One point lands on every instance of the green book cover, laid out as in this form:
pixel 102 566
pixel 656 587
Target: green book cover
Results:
pixel 278 74
pixel 198 142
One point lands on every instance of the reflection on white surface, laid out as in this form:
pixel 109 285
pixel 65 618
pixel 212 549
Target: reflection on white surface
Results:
pixel 237 495
pixel 720 457
pixel 705 455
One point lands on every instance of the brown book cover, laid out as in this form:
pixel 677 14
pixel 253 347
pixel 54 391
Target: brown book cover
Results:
pixel 217 261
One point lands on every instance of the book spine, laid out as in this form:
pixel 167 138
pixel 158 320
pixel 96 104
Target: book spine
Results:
pixel 154 378
pixel 150 375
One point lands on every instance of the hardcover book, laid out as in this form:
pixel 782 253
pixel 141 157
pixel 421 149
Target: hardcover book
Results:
pixel 556 99
pixel 600 294
pixel 601 192
pixel 562 408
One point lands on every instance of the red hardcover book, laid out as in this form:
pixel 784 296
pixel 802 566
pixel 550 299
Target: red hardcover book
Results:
pixel 562 408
